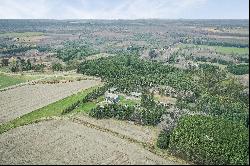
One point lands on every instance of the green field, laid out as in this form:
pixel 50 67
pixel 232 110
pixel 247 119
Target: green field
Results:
pixel 51 110
pixel 5 69
pixel 230 50
pixel 23 34
pixel 6 81
pixel 85 107
pixel 125 101
pixel 219 49
pixel 9 80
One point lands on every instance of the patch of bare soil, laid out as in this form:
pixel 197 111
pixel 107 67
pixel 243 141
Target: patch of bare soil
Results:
pixel 244 80
pixel 22 100
pixel 66 142
pixel 144 134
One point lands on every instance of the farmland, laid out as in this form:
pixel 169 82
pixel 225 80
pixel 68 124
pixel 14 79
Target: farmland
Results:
pixel 9 80
pixel 6 81
pixel 124 91
pixel 66 135
pixel 28 98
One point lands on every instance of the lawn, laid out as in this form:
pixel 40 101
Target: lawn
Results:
pixel 125 101
pixel 51 110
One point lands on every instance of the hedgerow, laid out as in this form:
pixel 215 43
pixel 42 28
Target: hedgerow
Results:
pixel 89 97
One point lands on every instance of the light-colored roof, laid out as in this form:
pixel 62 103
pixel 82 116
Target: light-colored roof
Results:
pixel 135 94
pixel 111 95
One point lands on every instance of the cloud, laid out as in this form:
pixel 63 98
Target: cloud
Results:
pixel 95 9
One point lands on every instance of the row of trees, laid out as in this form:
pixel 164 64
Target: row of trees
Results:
pixel 20 64
pixel 89 97
pixel 214 42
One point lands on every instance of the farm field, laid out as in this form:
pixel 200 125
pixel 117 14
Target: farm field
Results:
pixel 220 49
pixel 22 100
pixel 147 91
pixel 24 34
pixel 52 110
pixel 9 80
pixel 70 143
pixel 6 81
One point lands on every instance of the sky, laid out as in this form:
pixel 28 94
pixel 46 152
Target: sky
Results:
pixel 124 9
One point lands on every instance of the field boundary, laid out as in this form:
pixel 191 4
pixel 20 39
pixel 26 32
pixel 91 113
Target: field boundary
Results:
pixel 152 148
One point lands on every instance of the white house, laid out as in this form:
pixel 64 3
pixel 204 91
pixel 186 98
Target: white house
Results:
pixel 111 97
pixel 135 94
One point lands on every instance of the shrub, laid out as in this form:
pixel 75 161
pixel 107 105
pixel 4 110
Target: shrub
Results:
pixel 112 111
pixel 210 140
pixel 151 116
pixel 100 113
pixel 57 67
pixel 163 140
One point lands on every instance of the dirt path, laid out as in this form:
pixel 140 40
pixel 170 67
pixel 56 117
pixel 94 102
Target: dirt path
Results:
pixel 22 100
pixel 66 142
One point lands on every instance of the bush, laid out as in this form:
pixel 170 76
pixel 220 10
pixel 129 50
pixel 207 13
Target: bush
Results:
pixel 152 116
pixel 163 140
pixel 57 67
pixel 112 111
pixel 210 140
pixel 100 113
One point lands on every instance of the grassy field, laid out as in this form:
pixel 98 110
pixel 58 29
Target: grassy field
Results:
pixel 230 50
pixel 6 81
pixel 219 49
pixel 9 80
pixel 97 56
pixel 5 69
pixel 51 110
pixel 125 101
pixel 86 107
pixel 23 34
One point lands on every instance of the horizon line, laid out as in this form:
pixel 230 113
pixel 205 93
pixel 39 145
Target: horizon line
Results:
pixel 125 19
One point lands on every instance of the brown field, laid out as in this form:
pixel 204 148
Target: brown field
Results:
pixel 70 143
pixel 22 100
